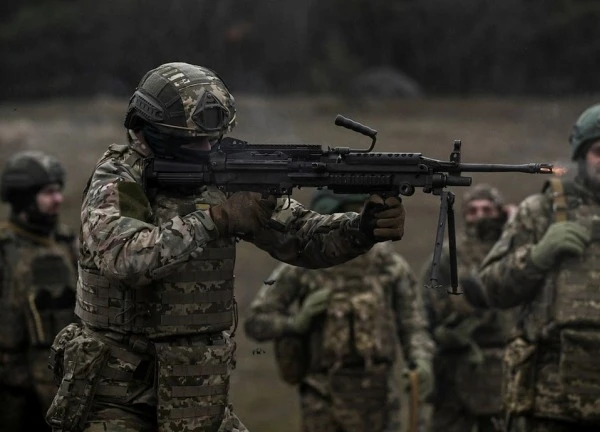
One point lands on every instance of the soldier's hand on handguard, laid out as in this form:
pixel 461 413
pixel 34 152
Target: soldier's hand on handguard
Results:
pixel 383 220
pixel 562 238
pixel 314 304
pixel 243 213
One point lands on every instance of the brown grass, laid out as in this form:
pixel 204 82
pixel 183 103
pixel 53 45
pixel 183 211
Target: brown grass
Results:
pixel 492 130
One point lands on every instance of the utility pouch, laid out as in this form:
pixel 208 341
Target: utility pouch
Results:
pixel 291 355
pixel 518 385
pixel 57 350
pixel 579 373
pixel 359 397
pixel 84 359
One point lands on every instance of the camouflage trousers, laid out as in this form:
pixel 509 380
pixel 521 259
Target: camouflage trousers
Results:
pixel 534 424
pixel 349 401
pixel 125 383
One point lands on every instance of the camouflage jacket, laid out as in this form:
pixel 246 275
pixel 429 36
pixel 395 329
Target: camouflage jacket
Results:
pixel 135 239
pixel 508 274
pixel 271 310
pixel 551 367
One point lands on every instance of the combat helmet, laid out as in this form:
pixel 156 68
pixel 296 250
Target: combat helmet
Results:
pixel 25 173
pixel 326 202
pixel 182 100
pixel 585 130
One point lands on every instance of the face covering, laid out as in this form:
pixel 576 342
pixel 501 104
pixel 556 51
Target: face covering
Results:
pixel 486 229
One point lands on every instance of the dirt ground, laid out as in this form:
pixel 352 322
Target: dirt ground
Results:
pixel 492 131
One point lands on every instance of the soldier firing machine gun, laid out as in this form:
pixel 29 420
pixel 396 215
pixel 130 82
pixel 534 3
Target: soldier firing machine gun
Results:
pixel 235 165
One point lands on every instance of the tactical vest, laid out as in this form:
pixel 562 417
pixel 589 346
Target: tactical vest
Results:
pixel 195 298
pixel 39 281
pixel 565 321
pixel 359 326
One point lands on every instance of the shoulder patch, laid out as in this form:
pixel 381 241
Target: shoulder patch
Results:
pixel 133 202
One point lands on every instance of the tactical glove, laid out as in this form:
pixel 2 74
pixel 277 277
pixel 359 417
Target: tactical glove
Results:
pixel 562 238
pixel 382 220
pixel 244 213
pixel 424 372
pixel 314 304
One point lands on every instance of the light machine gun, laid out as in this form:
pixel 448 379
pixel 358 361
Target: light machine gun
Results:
pixel 275 169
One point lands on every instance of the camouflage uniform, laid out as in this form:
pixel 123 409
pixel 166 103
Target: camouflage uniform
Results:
pixel 552 378
pixel 37 295
pixel 468 364
pixel 346 380
pixel 155 290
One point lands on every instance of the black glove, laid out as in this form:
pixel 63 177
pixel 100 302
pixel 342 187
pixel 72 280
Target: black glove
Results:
pixel 382 220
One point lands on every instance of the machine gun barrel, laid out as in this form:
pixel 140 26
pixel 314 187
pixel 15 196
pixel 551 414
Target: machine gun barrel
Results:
pixel 530 168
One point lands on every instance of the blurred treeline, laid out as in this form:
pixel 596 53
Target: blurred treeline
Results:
pixel 457 47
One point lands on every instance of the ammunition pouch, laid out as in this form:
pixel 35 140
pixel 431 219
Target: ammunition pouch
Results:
pixel 83 360
pixel 518 385
pixel 291 355
pixel 57 350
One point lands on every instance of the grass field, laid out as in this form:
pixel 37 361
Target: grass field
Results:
pixel 492 131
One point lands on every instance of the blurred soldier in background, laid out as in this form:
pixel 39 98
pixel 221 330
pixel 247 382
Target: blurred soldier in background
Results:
pixel 337 330
pixel 155 290
pixel 37 286
pixel 547 262
pixel 470 343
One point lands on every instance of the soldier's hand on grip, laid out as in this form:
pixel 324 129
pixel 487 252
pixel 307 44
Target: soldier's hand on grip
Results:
pixel 383 220
pixel 562 238
pixel 314 304
pixel 243 213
